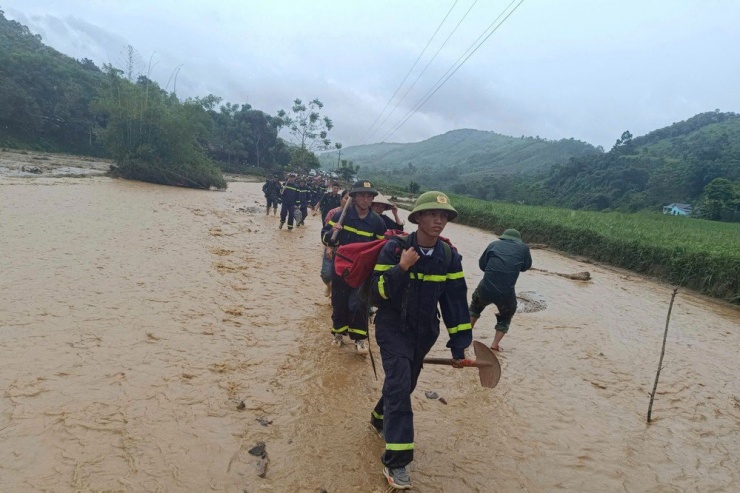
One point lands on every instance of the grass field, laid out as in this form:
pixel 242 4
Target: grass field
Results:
pixel 701 255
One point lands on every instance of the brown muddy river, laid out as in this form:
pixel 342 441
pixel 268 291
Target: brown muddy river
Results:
pixel 135 318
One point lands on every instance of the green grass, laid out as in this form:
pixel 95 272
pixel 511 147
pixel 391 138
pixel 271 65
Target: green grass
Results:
pixel 701 255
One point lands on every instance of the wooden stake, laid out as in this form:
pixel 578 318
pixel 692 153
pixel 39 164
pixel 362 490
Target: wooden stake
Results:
pixel 662 353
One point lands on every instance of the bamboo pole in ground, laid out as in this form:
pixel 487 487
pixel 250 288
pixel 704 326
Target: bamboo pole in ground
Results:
pixel 662 353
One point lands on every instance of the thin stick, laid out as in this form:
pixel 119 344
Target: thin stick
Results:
pixel 662 353
pixel 341 218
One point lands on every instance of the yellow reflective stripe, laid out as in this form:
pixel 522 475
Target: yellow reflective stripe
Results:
pixel 291 188
pixel 331 223
pixel 381 288
pixel 459 328
pixel 434 278
pixel 399 446
pixel 383 267
pixel 376 415
pixel 340 330
pixel 380 237
pixel 455 275
pixel 428 277
pixel 358 331
pixel 357 231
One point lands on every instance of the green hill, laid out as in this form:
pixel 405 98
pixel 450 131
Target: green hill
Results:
pixel 459 156
pixel 45 96
pixel 672 164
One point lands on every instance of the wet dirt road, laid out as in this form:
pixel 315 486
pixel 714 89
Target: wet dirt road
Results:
pixel 135 318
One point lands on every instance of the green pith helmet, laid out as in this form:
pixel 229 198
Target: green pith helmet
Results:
pixel 511 234
pixel 362 186
pixel 432 201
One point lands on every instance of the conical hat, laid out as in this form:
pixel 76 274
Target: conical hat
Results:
pixel 380 199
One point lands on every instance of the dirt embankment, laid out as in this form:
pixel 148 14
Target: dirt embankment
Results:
pixel 152 336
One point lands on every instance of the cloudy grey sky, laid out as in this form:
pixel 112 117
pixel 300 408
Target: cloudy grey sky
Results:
pixel 587 69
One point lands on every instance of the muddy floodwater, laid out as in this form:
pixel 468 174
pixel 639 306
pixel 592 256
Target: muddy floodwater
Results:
pixel 136 319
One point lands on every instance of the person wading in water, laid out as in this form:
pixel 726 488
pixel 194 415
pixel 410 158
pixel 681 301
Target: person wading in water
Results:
pixel 413 279
pixel 360 224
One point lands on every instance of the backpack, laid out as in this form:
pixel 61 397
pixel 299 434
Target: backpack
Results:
pixel 355 262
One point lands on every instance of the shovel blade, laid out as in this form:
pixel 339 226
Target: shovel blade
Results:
pixel 490 370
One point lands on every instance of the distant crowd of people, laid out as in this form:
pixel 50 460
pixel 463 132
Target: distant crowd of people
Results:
pixel 417 278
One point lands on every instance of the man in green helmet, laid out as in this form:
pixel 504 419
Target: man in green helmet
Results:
pixel 414 279
pixel 502 261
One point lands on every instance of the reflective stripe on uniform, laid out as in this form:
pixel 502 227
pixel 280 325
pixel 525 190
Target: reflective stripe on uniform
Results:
pixel 340 330
pixel 459 328
pixel 376 415
pixel 381 288
pixel 436 277
pixel 358 331
pixel 383 267
pixel 291 188
pixel 399 446
pixel 428 277
pixel 357 231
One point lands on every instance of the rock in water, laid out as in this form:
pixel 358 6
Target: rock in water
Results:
pixel 259 450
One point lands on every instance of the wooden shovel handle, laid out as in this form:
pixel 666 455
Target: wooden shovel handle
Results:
pixel 341 218
pixel 450 362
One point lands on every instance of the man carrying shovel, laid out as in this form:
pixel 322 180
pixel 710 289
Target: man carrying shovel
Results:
pixel 414 278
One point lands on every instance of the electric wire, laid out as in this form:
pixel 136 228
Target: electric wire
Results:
pixel 424 70
pixel 362 140
pixel 455 66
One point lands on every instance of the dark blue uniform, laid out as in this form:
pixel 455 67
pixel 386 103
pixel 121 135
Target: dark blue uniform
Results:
pixel 329 201
pixel 303 200
pixel 349 315
pixel 289 197
pixel 390 223
pixel 406 328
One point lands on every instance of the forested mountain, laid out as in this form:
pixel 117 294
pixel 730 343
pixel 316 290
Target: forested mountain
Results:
pixel 460 156
pixel 51 102
pixel 672 164
pixel 45 96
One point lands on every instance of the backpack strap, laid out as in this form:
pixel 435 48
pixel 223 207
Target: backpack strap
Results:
pixel 448 253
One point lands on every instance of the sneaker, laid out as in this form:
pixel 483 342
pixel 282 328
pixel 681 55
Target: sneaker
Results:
pixel 281 224
pixel 327 291
pixel 338 340
pixel 398 478
pixel 361 346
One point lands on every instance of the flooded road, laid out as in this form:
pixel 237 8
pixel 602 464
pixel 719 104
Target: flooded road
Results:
pixel 134 320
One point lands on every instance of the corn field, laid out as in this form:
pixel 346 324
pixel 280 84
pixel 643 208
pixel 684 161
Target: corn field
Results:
pixel 693 253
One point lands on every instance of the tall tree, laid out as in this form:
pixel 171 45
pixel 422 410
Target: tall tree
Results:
pixel 308 130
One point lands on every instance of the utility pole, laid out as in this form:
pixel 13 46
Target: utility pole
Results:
pixel 338 147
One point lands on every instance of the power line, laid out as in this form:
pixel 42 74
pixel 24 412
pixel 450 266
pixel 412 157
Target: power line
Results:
pixel 409 72
pixel 425 68
pixel 455 66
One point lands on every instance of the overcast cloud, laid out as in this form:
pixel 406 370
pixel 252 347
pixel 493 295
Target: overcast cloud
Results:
pixel 587 69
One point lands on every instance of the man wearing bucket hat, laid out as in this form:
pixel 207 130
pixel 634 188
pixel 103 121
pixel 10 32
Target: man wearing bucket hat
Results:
pixel 414 279
pixel 359 224
pixel 382 204
pixel 502 261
